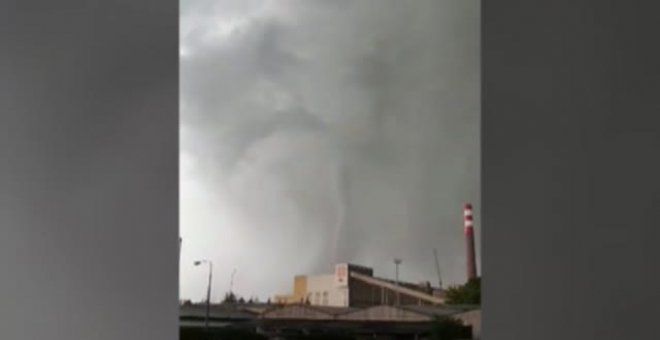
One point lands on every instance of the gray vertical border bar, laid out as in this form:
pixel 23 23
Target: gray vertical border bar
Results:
pixel 88 169
pixel 571 167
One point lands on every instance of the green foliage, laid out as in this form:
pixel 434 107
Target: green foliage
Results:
pixel 450 329
pixel 467 294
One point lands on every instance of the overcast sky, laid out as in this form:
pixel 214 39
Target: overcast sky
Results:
pixel 317 132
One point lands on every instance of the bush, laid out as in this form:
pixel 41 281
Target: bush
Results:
pixel 467 294
pixel 450 329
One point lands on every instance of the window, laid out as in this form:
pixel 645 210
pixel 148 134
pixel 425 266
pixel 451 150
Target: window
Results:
pixel 317 298
pixel 325 298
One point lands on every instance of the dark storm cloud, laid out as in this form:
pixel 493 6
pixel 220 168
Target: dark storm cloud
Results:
pixel 328 131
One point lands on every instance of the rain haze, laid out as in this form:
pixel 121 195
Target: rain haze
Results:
pixel 319 132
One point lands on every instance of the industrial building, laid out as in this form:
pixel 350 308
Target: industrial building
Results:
pixel 350 301
pixel 355 286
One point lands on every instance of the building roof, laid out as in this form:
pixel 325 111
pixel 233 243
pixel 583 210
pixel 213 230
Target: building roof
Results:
pixel 409 284
pixel 224 312
pixel 382 319
pixel 333 310
pixel 300 311
pixel 435 310
pixel 412 313
pixel 385 313
pixel 414 292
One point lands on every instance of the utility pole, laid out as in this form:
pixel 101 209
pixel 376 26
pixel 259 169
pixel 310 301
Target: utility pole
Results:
pixel 208 291
pixel 231 282
pixel 437 267
pixel 397 262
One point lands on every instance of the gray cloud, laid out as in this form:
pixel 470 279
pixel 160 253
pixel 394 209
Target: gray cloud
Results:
pixel 322 131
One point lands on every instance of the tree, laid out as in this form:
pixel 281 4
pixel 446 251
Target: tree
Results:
pixel 467 294
pixel 445 328
pixel 241 301
pixel 230 298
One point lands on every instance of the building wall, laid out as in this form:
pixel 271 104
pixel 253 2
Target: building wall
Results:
pixel 299 292
pixel 360 269
pixel 362 294
pixel 300 288
pixel 340 290
pixel 473 319
pixel 322 290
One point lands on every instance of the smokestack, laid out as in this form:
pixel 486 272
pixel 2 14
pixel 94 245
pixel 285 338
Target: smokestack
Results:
pixel 469 238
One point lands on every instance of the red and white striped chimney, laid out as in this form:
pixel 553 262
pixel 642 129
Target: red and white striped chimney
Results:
pixel 469 238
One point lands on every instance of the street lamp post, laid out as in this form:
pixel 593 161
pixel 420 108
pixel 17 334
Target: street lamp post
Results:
pixel 208 291
pixel 397 262
pixel 231 283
